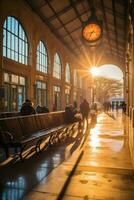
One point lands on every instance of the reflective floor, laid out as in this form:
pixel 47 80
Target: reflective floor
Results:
pixel 104 172
pixel 17 179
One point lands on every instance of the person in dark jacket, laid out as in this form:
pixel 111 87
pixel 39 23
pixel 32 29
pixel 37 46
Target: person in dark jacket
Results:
pixel 84 109
pixel 70 115
pixel 27 108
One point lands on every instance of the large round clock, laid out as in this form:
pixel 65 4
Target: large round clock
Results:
pixel 92 32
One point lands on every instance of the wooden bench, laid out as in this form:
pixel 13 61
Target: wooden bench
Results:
pixel 9 114
pixel 23 132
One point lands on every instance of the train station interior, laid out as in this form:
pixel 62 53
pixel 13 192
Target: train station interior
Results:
pixel 55 57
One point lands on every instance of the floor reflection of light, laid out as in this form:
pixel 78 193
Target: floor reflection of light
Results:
pixel 56 159
pixel 12 194
pixel 20 182
pixel 94 139
pixel 117 146
pixel 41 173
pixel 15 190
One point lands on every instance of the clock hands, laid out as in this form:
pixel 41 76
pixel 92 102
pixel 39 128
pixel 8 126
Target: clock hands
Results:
pixel 90 33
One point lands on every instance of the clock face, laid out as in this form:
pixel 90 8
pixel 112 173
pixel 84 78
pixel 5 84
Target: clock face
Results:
pixel 92 32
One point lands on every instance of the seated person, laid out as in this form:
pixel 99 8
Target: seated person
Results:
pixel 40 109
pixel 27 108
pixel 71 115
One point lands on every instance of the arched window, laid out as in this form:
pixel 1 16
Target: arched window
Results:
pixel 42 58
pixel 15 44
pixel 67 74
pixel 57 66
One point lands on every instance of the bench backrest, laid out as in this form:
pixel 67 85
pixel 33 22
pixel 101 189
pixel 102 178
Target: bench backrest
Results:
pixel 9 114
pixel 26 125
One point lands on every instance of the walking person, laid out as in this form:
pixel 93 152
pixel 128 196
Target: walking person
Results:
pixel 84 109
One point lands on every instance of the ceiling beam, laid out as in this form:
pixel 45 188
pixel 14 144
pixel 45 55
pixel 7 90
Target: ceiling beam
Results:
pixel 106 23
pixel 115 24
pixel 62 25
pixel 85 12
pixel 51 27
pixel 64 10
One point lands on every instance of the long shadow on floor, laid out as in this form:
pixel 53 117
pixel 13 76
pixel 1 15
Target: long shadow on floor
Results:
pixel 19 178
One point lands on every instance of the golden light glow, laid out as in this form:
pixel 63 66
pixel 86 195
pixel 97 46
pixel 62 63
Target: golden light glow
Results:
pixel 94 139
pixel 92 32
pixel 94 71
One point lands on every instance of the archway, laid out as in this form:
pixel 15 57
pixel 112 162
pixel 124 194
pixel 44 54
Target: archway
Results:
pixel 108 85
pixel 110 71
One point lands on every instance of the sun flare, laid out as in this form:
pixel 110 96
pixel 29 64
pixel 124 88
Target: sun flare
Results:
pixel 94 71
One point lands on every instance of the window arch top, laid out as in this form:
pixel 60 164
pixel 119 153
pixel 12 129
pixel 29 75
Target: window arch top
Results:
pixel 15 43
pixel 42 58
pixel 67 73
pixel 57 66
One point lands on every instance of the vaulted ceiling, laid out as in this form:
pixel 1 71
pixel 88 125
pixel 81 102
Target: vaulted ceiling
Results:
pixel 65 18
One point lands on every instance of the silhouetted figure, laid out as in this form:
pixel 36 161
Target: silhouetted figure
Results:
pixel 75 105
pixel 112 106
pixel 93 114
pixel 27 108
pixel 84 109
pixel 117 106
pixel 124 106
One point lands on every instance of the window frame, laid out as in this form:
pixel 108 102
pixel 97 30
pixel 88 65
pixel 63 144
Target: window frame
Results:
pixel 15 41
pixel 67 73
pixel 42 57
pixel 57 72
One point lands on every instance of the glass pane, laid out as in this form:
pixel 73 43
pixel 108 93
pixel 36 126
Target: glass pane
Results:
pixel 22 80
pixel 16 43
pixel 44 85
pixel 12 42
pixel 9 23
pixel 4 51
pixel 8 53
pixel 8 40
pixel 4 38
pixel 16 27
pixel 41 57
pixel 16 56
pixel 38 84
pixel 6 77
pixel 13 25
pixel 12 55
pixel 14 78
